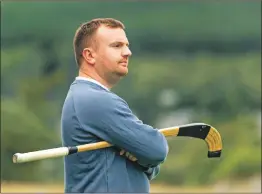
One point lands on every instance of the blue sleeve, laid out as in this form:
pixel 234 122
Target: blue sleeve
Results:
pixel 152 172
pixel 109 118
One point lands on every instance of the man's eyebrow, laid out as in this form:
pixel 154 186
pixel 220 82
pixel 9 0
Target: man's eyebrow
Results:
pixel 120 42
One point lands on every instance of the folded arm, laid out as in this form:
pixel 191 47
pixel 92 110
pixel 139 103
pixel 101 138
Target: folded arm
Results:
pixel 109 118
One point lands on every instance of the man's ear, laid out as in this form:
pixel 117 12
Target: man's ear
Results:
pixel 88 55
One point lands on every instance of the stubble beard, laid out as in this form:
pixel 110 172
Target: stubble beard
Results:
pixel 114 77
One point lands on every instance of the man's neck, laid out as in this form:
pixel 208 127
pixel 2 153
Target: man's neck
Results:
pixel 97 78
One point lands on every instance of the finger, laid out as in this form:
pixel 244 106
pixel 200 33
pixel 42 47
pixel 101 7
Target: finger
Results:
pixel 133 159
pixel 127 154
pixel 122 152
pixel 130 156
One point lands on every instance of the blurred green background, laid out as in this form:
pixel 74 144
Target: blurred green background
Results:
pixel 193 61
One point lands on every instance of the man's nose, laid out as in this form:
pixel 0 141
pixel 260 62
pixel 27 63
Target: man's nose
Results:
pixel 126 52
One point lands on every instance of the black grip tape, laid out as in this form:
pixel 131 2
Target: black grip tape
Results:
pixel 72 150
pixel 198 131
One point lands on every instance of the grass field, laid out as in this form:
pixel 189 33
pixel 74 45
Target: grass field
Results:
pixel 12 187
pixel 56 188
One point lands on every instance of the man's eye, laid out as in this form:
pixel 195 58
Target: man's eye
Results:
pixel 117 45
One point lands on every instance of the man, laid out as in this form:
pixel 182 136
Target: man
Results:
pixel 92 113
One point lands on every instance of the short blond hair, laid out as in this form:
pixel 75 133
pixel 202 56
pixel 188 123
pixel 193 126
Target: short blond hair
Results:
pixel 84 34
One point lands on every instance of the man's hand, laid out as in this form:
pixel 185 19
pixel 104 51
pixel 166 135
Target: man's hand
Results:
pixel 128 155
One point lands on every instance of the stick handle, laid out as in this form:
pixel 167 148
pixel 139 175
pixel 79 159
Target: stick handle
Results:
pixel 42 154
pixel 57 152
pixel 93 146
pixel 171 131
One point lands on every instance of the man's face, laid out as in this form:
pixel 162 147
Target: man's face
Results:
pixel 112 53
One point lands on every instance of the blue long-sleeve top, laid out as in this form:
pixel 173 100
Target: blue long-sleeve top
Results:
pixel 92 114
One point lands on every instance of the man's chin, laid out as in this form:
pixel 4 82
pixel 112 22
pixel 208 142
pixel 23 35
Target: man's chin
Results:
pixel 122 73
